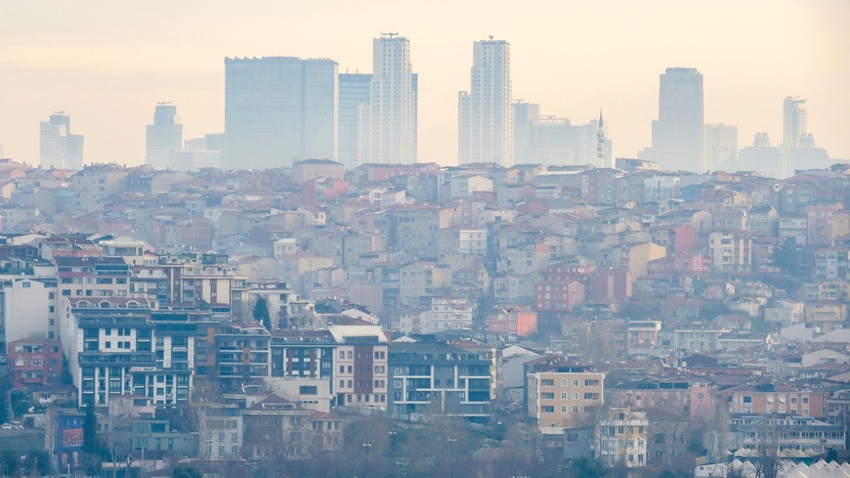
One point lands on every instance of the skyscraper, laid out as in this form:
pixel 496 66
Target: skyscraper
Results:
pixel 58 147
pixel 485 119
pixel 354 94
pixel 278 110
pixel 677 134
pixel 388 124
pixel 793 123
pixel 163 136
pixel 721 145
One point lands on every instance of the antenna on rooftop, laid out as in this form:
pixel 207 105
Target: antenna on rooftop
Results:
pixel 392 34
pixel 163 103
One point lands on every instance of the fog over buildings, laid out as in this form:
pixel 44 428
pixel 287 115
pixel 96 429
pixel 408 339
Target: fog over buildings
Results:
pixel 586 249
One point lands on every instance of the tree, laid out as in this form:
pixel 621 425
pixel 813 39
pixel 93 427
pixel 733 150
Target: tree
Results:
pixel 90 443
pixel 786 257
pixel 184 471
pixel 768 449
pixel 587 467
pixel 261 312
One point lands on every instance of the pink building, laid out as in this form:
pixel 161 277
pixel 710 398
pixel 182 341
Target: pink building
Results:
pixel 513 321
pixel 558 296
pixel 610 285
pixel 34 361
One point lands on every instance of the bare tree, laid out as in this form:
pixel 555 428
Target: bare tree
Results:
pixel 768 447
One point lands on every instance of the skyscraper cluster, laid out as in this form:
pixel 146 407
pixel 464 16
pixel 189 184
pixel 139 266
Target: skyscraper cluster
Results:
pixel 59 148
pixel 279 110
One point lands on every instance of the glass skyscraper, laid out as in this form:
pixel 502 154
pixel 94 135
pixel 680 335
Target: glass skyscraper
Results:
pixel 678 134
pixel 279 110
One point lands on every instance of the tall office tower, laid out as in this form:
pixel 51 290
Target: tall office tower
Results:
pixel 793 122
pixel 485 119
pixel 677 135
pixel 524 115
pixel 59 148
pixel 388 124
pixel 278 110
pixel 354 93
pixel 163 136
pixel 721 145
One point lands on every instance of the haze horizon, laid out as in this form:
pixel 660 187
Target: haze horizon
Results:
pixel 109 69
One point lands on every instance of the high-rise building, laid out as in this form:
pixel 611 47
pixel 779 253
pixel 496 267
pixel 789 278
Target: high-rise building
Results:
pixel 388 124
pixel 163 136
pixel 59 148
pixel 547 139
pixel 354 94
pixel 793 123
pixel 677 134
pixel 485 119
pixel 278 110
pixel 721 145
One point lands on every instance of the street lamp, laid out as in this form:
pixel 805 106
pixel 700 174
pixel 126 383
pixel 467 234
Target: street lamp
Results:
pixel 366 446
pixel 452 456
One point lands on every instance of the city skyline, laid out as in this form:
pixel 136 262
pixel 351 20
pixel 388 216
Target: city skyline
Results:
pixel 57 59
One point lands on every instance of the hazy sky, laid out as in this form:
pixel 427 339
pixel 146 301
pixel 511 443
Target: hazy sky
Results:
pixel 106 62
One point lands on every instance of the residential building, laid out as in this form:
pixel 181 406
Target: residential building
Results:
pixel 436 379
pixel 485 122
pixel 388 124
pixel 620 438
pixel 564 396
pixel 34 361
pixel 360 366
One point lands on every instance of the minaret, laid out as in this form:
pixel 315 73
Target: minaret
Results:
pixel 600 142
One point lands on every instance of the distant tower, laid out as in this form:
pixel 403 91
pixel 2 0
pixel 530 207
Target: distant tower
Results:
pixel 354 93
pixel 59 148
pixel 678 134
pixel 485 118
pixel 278 110
pixel 163 136
pixel 600 142
pixel 793 123
pixel 388 124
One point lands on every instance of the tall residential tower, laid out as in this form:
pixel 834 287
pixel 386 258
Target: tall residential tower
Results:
pixel 678 134
pixel 485 119
pixel 388 124
pixel 278 110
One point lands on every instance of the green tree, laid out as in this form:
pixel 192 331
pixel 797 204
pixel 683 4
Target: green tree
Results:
pixel 587 467
pixel 183 471
pixel 261 313
pixel 90 443
pixel 786 257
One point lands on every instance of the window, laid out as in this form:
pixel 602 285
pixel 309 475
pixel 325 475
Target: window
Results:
pixel 548 409
pixel 575 383
pixel 548 383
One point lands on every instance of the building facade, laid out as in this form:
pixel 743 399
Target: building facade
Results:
pixel 485 118
pixel 278 110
